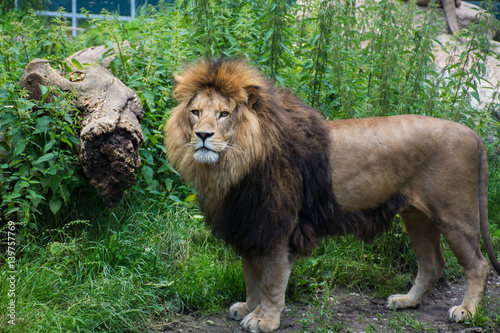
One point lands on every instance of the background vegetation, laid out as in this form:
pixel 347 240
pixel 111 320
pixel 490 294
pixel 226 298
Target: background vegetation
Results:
pixel 82 268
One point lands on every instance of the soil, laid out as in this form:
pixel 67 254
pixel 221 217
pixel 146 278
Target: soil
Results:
pixel 346 311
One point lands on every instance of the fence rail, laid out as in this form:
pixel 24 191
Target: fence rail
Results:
pixel 74 16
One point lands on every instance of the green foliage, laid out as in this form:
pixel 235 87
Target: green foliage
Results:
pixel 493 204
pixel 112 279
pixel 23 6
pixel 38 162
pixel 41 167
pixel 322 318
pixel 153 256
pixel 487 315
pixel 358 265
pixel 402 322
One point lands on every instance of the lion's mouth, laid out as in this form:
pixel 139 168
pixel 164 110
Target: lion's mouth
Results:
pixel 205 155
pixel 205 149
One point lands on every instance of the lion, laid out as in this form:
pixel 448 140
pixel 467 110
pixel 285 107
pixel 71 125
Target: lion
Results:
pixel 273 177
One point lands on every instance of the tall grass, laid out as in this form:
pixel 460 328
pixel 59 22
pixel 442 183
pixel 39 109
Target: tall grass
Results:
pixel 81 268
pixel 123 274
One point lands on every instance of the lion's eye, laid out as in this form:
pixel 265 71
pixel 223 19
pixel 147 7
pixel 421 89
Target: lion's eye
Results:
pixel 195 112
pixel 223 114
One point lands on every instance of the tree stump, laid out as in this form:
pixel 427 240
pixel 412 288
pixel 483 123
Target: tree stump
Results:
pixel 110 132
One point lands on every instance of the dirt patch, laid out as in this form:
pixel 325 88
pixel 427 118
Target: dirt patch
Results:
pixel 345 311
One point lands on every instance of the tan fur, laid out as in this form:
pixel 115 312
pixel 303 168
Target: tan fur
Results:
pixel 213 183
pixel 437 165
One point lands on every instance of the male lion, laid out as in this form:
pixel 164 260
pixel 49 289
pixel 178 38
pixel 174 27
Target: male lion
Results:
pixel 273 177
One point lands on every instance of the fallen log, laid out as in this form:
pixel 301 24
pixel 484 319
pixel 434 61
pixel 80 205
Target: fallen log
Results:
pixel 110 131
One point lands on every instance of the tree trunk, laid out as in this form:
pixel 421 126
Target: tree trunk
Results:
pixel 110 132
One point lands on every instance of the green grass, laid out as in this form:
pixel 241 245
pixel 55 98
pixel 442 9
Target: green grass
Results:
pixel 130 271
pixel 487 315
pixel 357 265
pixel 404 322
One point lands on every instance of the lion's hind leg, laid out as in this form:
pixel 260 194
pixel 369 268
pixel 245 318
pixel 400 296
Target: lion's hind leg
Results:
pixel 476 275
pixel 425 239
pixel 465 246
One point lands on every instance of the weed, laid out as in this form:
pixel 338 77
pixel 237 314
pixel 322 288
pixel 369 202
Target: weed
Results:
pixel 41 168
pixel 321 319
pixel 403 322
pixel 487 315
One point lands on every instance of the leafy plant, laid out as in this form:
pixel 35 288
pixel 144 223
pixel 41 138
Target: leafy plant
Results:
pixel 403 322
pixel 487 315
pixel 322 319
pixel 23 5
pixel 41 168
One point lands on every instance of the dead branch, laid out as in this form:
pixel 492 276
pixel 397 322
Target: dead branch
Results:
pixel 110 132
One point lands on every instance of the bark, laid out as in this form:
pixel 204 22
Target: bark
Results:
pixel 110 132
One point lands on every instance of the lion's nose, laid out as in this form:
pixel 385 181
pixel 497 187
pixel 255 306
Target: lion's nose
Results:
pixel 204 135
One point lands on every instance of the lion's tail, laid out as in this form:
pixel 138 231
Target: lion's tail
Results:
pixel 483 209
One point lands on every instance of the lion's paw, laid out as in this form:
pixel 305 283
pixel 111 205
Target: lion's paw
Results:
pixel 256 322
pixel 238 311
pixel 400 302
pixel 459 313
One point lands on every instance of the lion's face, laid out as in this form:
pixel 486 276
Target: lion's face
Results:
pixel 214 136
pixel 212 125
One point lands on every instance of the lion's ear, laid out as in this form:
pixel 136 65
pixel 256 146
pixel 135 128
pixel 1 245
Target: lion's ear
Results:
pixel 253 95
pixel 178 91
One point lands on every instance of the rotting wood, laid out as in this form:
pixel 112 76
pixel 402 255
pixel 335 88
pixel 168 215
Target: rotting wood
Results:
pixel 110 133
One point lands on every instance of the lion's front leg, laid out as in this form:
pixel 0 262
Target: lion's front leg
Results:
pixel 270 289
pixel 252 272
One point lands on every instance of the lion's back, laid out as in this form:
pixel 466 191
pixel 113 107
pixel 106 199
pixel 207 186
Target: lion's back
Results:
pixel 372 158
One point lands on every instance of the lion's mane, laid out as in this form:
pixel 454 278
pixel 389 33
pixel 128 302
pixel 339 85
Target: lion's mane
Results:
pixel 275 185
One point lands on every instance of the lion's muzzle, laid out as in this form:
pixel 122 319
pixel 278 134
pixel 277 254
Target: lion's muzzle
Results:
pixel 204 149
pixel 204 135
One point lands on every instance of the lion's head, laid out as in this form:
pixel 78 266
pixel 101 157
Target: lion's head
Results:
pixel 214 127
